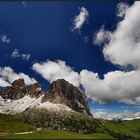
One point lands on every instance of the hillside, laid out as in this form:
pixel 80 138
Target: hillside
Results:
pixel 124 130
pixel 11 124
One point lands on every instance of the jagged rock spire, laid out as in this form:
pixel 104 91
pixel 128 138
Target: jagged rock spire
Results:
pixel 61 91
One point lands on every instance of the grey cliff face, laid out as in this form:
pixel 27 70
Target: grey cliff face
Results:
pixel 60 91
pixel 34 90
pixel 16 91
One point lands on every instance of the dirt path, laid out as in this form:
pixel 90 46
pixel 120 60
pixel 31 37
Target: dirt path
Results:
pixel 21 133
pixel 3 134
pixel 28 132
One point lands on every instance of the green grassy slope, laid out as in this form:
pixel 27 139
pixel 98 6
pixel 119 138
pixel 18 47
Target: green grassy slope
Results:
pixel 11 124
pixel 124 129
pixel 55 134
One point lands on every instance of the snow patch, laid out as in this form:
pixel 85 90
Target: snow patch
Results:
pixel 18 106
pixel 52 106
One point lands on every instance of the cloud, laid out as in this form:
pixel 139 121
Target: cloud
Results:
pixel 102 36
pixel 3 83
pixel 123 46
pixel 52 71
pixel 137 107
pixel 115 86
pixel 125 115
pixel 80 19
pixel 86 39
pixel 24 3
pixel 7 76
pixel 121 9
pixel 4 38
pixel 26 56
pixel 16 54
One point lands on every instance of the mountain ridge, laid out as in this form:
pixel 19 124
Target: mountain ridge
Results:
pixel 61 95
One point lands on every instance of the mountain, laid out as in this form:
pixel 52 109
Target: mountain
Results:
pixel 62 107
pixel 61 96
pixel 60 91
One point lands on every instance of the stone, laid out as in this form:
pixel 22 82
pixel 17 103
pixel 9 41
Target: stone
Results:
pixel 34 90
pixel 16 91
pixel 61 91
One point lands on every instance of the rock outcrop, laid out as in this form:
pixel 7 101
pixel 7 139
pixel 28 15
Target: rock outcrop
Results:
pixel 61 91
pixel 16 91
pixel 34 90
pixel 19 83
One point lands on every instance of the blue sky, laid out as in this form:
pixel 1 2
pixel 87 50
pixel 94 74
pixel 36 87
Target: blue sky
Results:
pixel 44 31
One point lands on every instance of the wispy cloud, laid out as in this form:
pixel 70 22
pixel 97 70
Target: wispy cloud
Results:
pixel 137 107
pixel 102 36
pixel 16 54
pixel 80 19
pixel 4 38
pixel 121 9
pixel 24 3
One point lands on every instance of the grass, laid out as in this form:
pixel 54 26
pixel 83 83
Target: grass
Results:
pixel 12 124
pixel 129 129
pixel 55 134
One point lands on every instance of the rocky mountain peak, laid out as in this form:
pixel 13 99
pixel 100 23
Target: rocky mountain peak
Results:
pixel 61 91
pixel 16 91
pixel 34 90
pixel 18 83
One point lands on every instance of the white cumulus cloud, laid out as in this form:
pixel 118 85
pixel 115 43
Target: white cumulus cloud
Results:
pixel 123 46
pixel 16 54
pixel 80 19
pixel 7 76
pixel 125 115
pixel 3 83
pixel 115 86
pixel 53 70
